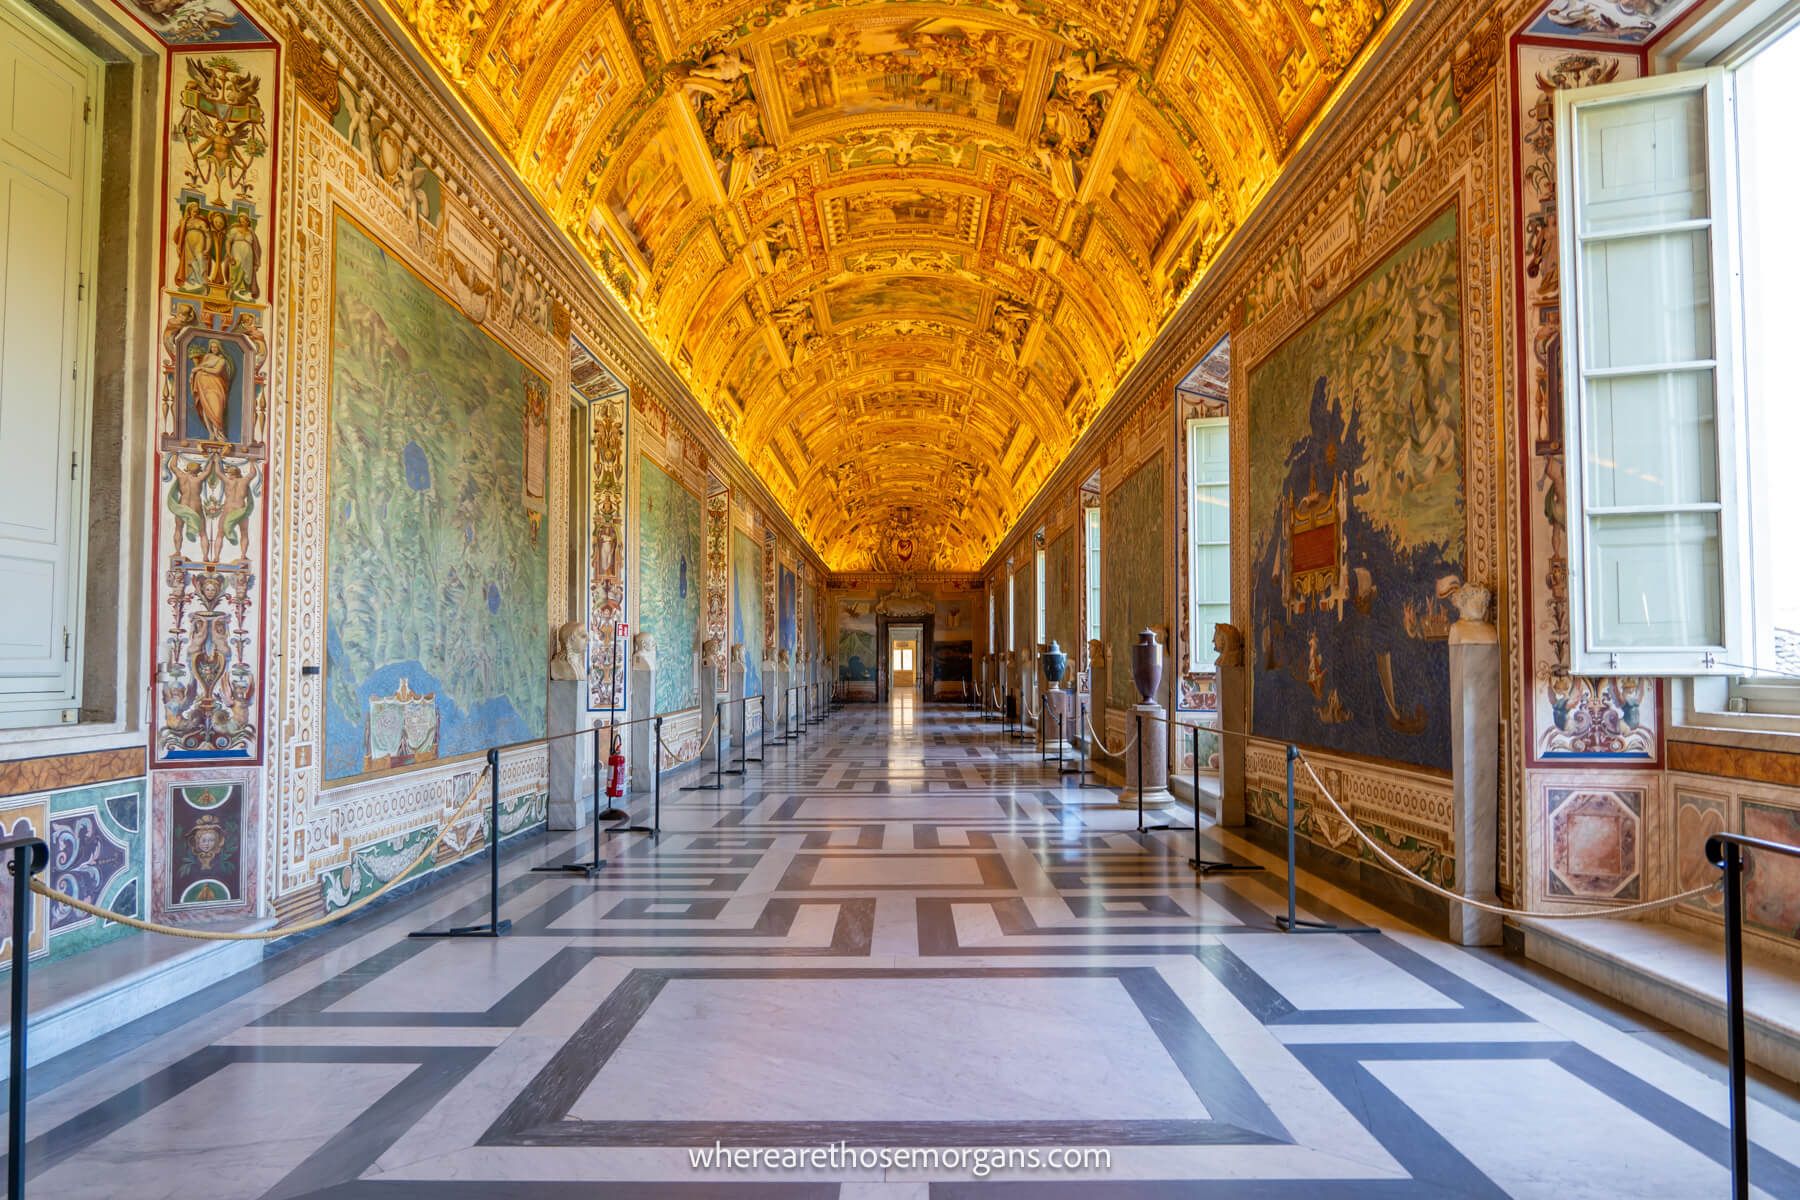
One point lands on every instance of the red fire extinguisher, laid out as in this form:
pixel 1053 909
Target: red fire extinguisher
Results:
pixel 615 770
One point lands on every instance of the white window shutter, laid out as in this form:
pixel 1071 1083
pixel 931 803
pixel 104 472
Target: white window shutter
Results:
pixel 1653 462
pixel 44 242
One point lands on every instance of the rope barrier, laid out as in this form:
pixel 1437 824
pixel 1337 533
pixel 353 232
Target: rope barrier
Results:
pixel 1100 742
pixel 704 743
pixel 280 931
pixel 1498 910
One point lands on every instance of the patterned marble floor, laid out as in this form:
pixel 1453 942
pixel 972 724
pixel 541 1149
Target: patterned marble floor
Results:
pixel 904 932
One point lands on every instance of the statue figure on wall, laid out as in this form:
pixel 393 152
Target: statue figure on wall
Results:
pixel 1096 655
pixel 643 652
pixel 570 658
pixel 737 656
pixel 784 659
pixel 1228 640
pixel 712 654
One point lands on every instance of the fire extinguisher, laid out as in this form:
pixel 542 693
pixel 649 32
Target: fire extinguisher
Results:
pixel 615 770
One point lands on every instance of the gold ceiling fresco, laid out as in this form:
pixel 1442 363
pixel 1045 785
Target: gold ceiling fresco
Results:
pixel 902 252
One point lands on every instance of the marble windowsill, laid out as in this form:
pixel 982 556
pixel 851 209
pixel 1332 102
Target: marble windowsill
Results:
pixel 78 998
pixel 1678 975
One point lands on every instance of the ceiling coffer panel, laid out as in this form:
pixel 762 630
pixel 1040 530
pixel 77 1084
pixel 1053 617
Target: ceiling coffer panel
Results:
pixel 902 252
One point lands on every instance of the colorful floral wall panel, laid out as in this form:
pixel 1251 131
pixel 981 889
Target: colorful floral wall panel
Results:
pixel 212 411
pixel 1595 842
pixel 1699 813
pixel 1357 532
pixel 1772 881
pixel 747 606
pixel 669 583
pixel 436 565
pixel 1572 719
pixel 1133 521
pixel 204 827
pixel 21 818
pixel 1633 22
pixel 97 854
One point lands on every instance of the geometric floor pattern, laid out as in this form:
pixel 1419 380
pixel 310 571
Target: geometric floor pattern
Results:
pixel 911 949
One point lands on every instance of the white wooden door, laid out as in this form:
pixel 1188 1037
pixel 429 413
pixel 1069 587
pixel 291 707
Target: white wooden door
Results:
pixel 47 93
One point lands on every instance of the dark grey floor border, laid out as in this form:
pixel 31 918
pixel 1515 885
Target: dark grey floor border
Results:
pixel 1272 1008
pixel 803 867
pixel 1427 1155
pixel 538 1115
pixel 342 1156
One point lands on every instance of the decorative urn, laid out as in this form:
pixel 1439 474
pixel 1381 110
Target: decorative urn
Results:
pixel 1055 663
pixel 1146 665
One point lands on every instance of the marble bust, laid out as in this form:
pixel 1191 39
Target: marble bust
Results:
pixel 737 656
pixel 712 653
pixel 643 652
pixel 1228 641
pixel 570 659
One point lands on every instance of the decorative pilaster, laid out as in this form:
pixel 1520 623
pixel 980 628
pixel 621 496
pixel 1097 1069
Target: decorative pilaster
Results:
pixel 1228 640
pixel 1475 701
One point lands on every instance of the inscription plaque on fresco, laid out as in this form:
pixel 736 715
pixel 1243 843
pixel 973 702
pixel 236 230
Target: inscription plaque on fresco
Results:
pixel 436 578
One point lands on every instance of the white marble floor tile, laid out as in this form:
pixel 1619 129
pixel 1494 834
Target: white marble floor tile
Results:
pixel 891 1050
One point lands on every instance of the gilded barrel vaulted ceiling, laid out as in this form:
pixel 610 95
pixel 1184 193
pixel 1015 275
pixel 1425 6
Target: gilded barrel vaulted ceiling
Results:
pixel 902 252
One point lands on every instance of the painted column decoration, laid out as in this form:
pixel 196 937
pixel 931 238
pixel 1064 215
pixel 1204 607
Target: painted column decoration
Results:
pixel 608 653
pixel 209 525
pixel 718 555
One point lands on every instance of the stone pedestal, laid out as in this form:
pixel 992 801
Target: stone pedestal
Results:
pixel 1096 697
pixel 642 754
pixel 1152 750
pixel 710 695
pixel 571 803
pixel 1059 704
pixel 736 721
pixel 1233 722
pixel 1474 777
pixel 776 681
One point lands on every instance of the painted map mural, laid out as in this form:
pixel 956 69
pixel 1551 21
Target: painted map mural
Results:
pixel 1131 563
pixel 785 616
pixel 856 641
pixel 670 584
pixel 747 606
pixel 1356 458
pixel 436 578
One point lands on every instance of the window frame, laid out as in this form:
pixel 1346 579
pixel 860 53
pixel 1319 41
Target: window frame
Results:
pixel 1586 658
pixel 1090 554
pixel 1201 655
pixel 1043 615
pixel 27 716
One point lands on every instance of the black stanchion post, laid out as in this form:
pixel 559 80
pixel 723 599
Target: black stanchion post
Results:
pixel 29 856
pixel 1729 856
pixel 1208 866
pixel 1292 923
pixel 584 869
pixel 1140 768
pixel 495 926
pixel 656 779
pixel 1165 826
